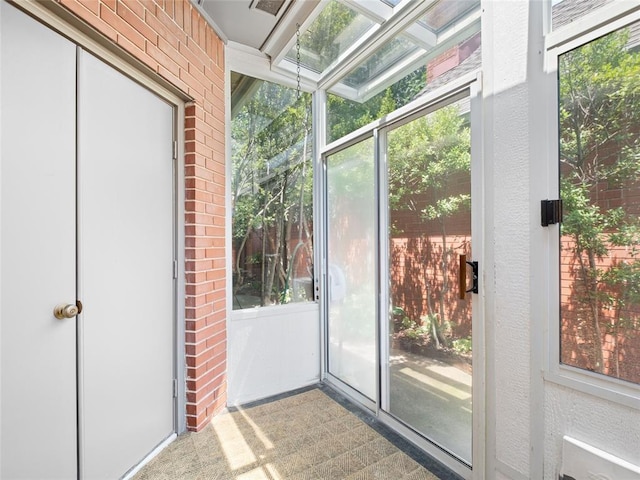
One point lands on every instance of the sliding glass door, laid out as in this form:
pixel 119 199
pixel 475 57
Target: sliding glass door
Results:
pixel 351 269
pixel 400 274
pixel 429 325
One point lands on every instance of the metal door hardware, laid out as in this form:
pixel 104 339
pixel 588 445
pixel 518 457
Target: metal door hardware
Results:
pixel 63 311
pixel 551 212
pixel 463 277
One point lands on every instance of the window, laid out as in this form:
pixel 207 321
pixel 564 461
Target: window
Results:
pixel 399 72
pixel 271 184
pixel 376 56
pixel 599 130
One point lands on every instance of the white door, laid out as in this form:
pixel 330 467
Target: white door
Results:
pixel 86 205
pixel 125 271
pixel 37 198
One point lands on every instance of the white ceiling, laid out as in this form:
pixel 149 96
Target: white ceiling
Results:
pixel 240 23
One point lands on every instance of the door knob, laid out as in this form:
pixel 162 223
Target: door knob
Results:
pixel 65 311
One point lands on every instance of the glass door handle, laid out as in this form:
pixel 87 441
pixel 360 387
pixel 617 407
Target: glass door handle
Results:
pixel 462 277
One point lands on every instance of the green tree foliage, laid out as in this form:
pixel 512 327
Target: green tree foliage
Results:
pixel 271 190
pixel 427 158
pixel 335 29
pixel 346 116
pixel 600 150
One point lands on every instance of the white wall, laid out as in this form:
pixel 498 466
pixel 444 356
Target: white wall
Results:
pixel 506 39
pixel 272 350
pixel 526 415
pixel 606 425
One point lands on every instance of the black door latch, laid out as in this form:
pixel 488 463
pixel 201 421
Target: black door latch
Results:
pixel 551 212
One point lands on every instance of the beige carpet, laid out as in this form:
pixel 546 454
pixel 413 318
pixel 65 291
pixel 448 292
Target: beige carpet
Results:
pixel 305 436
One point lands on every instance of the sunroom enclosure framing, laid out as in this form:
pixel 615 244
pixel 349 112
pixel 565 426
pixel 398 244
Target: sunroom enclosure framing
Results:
pixel 468 87
pixel 538 411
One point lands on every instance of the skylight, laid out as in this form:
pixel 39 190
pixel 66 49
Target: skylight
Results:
pixel 358 48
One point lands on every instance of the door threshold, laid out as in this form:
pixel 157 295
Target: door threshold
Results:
pixel 150 457
pixel 427 454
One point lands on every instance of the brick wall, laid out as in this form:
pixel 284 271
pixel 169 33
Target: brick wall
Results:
pixel 173 39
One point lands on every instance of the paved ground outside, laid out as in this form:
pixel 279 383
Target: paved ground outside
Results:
pixel 434 398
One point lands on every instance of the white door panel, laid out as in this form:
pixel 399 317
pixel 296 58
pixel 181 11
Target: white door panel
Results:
pixel 122 176
pixel 125 269
pixel 37 249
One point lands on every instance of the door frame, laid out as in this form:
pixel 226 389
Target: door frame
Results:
pixel 469 85
pixel 58 19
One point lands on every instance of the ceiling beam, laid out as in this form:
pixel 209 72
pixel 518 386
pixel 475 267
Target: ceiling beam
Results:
pixel 407 13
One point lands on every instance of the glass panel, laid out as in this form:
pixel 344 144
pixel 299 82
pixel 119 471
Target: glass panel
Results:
pixel 383 59
pixel 335 30
pixel 351 236
pixel 271 190
pixel 599 114
pixel 345 116
pixel 446 12
pixel 567 11
pixel 430 366
pixel 407 67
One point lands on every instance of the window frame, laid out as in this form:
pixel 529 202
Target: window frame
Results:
pixel 592 26
pixel 246 61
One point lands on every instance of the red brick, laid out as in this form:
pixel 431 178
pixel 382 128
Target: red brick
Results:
pixel 78 6
pixel 187 18
pixel 109 3
pixel 178 13
pixel 163 59
pixel 122 27
pixel 172 35
pixel 137 23
pixel 136 6
pixel 170 7
pixel 172 52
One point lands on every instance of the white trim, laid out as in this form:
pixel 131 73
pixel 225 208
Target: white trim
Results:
pixel 154 453
pixel 509 472
pixel 250 61
pixel 450 461
pixel 179 221
pixel 380 272
pixel 408 12
pixel 228 223
pixel 594 25
pixel 426 101
pixel 377 11
pixel 595 384
pixel 356 396
pixel 604 17
pixel 319 110
pixel 592 34
pixel 384 285
pixel 485 466
pixel 538 190
pixel 283 37
pixel 272 310
pixel 478 235
pixel 104 49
